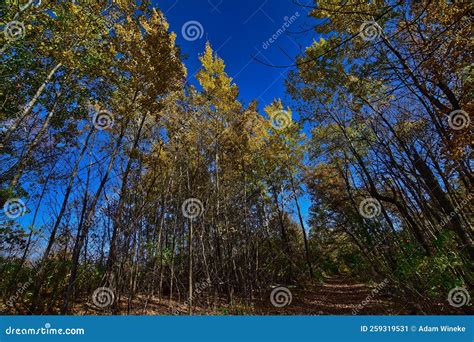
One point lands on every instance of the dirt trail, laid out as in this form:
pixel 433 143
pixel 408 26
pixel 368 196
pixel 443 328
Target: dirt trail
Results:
pixel 339 296
pixel 342 296
pixel 335 296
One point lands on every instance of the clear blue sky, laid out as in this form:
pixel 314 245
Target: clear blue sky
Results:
pixel 237 31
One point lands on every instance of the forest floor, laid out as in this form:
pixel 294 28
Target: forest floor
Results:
pixel 342 296
pixel 336 296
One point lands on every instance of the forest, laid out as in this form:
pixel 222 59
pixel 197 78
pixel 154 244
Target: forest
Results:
pixel 126 189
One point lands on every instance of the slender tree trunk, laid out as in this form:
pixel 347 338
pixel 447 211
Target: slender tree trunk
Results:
pixel 190 265
pixel 66 196
pixel 88 221
pixel 24 159
pixel 29 106
pixel 117 224
pixel 303 230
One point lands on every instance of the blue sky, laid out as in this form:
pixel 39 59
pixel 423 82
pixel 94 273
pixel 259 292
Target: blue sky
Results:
pixel 238 31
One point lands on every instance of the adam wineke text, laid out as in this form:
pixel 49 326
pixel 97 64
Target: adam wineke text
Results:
pixel 442 328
